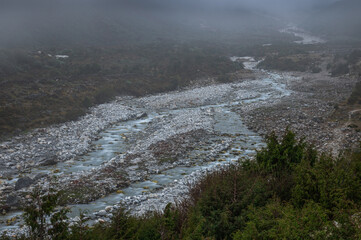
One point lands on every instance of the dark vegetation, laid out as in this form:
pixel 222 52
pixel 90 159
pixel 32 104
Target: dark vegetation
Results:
pixel 115 48
pixel 349 63
pixel 292 57
pixel 38 89
pixel 301 63
pixel 355 97
pixel 289 192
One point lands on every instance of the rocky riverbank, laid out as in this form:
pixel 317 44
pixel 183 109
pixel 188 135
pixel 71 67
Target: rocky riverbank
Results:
pixel 189 132
pixel 308 112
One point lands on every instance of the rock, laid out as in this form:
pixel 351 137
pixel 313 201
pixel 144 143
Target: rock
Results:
pixel 108 208
pixel 102 213
pixel 49 161
pixel 23 183
pixel 143 115
pixel 13 201
pixel 100 220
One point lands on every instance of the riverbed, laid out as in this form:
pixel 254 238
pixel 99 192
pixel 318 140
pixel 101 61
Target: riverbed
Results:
pixel 161 143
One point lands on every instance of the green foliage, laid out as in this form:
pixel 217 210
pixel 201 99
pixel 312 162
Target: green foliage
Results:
pixel 281 157
pixel 59 90
pixel 283 221
pixel 42 208
pixel 80 231
pixel 289 192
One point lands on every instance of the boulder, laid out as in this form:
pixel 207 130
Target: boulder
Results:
pixel 13 201
pixel 108 208
pixel 23 183
pixel 49 161
pixel 102 213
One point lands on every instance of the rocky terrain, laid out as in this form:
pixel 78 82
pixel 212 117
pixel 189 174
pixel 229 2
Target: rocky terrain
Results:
pixel 178 137
pixel 308 111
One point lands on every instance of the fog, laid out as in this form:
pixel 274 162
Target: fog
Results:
pixel 54 22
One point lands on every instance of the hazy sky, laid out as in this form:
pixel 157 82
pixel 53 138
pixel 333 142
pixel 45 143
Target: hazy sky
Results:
pixel 262 4
pixel 33 19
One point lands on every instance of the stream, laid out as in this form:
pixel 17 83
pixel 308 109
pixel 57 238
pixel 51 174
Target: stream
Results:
pixel 114 141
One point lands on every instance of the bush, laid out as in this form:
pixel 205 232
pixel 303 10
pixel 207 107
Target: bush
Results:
pixel 289 192
pixel 340 69
pixel 316 69
pixel 355 95
pixel 105 94
pixel 87 102
pixel 74 114
pixel 224 78
pixel 280 157
pixel 89 69
pixel 39 211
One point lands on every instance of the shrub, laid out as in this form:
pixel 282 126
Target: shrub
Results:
pixel 90 69
pixel 224 78
pixel 282 156
pixel 104 94
pixel 355 95
pixel 340 69
pixel 316 69
pixel 289 192
pixel 42 208
pixel 87 102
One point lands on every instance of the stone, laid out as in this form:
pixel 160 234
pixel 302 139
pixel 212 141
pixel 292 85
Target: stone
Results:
pixel 23 183
pixel 49 162
pixel 102 213
pixel 108 208
pixel 13 201
pixel 101 220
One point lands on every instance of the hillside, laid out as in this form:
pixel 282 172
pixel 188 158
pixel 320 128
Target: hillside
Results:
pixel 118 48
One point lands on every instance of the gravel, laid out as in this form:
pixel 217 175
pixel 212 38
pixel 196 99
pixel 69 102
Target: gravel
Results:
pixel 184 119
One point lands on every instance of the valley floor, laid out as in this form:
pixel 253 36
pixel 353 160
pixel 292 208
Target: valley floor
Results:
pixel 145 151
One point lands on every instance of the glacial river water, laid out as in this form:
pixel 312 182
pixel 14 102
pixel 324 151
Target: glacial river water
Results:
pixel 114 141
